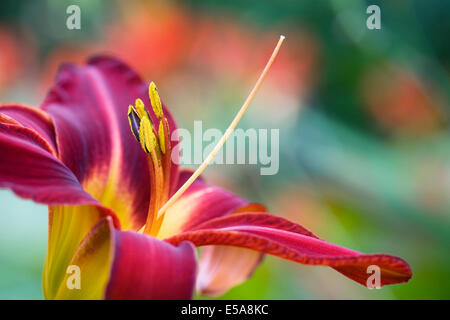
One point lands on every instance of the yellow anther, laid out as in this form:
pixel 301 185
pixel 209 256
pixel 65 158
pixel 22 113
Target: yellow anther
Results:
pixel 147 137
pixel 131 109
pixel 162 136
pixel 155 100
pixel 140 108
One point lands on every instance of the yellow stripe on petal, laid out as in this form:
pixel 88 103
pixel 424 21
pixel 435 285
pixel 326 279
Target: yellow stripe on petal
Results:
pixel 88 273
pixel 109 196
pixel 68 225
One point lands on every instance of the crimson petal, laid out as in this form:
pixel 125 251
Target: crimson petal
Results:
pixel 277 236
pixel 29 119
pixel 147 268
pixel 32 172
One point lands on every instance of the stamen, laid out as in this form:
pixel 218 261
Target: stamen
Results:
pixel 167 157
pixel 143 130
pixel 147 137
pixel 161 135
pixel 228 132
pixel 140 108
pixel 157 187
pixel 134 120
pixel 155 100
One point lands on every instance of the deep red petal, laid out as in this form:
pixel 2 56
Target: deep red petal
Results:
pixel 147 268
pixel 280 237
pixel 88 106
pixel 29 119
pixel 29 170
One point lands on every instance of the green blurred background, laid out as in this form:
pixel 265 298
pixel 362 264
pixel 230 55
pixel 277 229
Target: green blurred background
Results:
pixel 363 119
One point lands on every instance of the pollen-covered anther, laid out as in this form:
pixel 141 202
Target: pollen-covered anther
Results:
pixel 162 136
pixel 140 108
pixel 134 120
pixel 142 128
pixel 155 100
pixel 147 137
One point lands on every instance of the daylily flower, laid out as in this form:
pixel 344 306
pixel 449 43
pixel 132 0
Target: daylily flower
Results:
pixel 77 154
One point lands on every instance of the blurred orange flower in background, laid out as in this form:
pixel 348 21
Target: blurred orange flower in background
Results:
pixel 166 42
pixel 401 102
pixel 11 64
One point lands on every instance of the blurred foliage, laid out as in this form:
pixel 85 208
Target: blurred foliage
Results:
pixel 363 118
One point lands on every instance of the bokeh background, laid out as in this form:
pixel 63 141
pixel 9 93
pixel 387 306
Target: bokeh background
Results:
pixel 363 118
